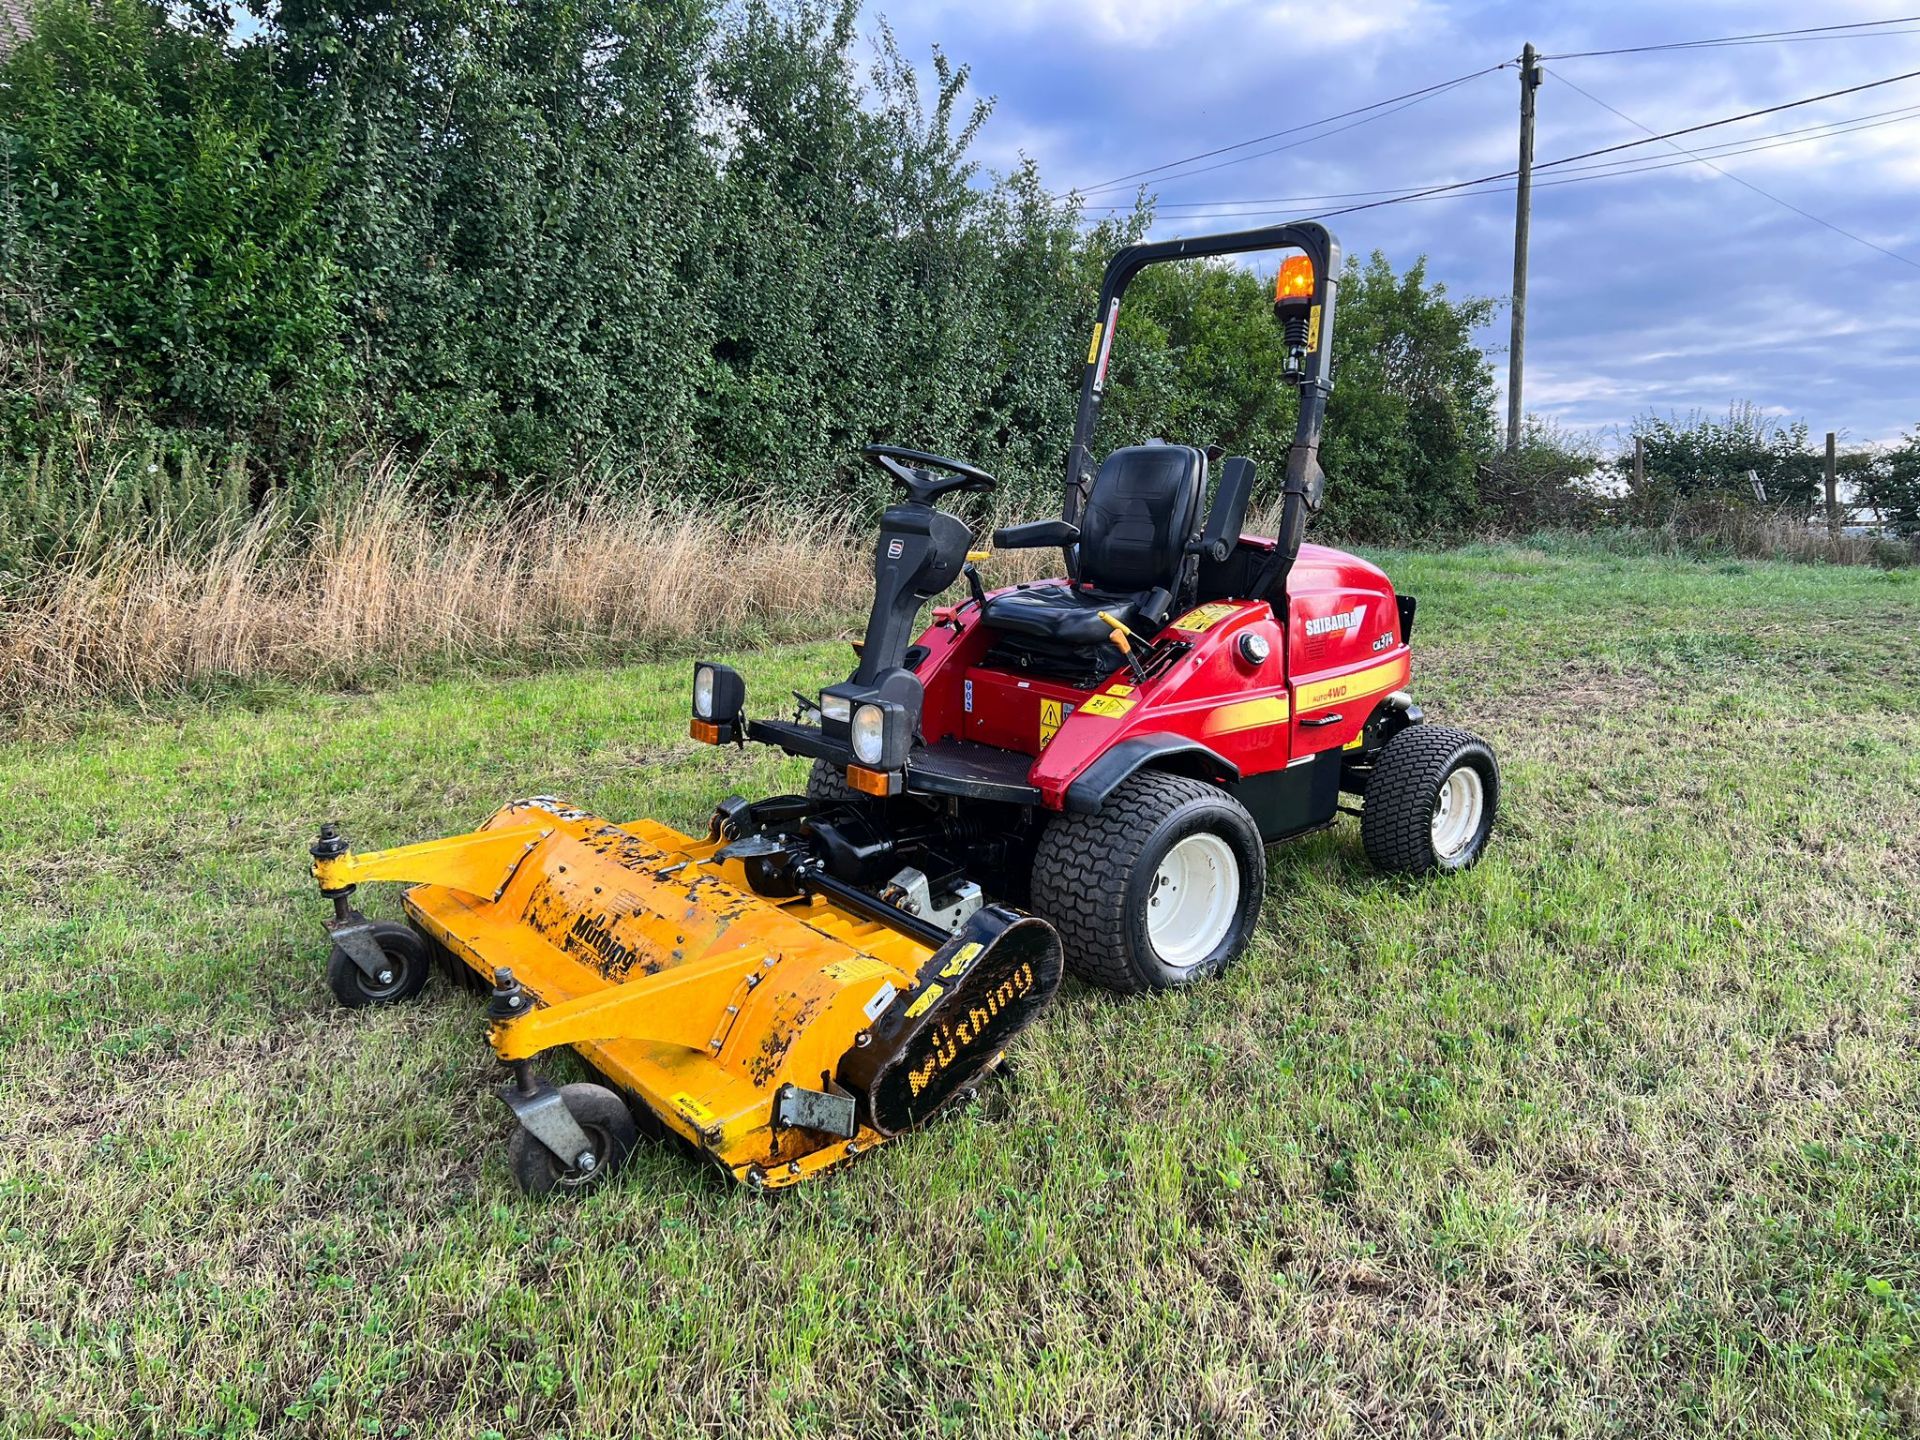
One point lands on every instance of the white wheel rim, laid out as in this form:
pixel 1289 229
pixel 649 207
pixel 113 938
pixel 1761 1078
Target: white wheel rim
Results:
pixel 1192 900
pixel 1457 810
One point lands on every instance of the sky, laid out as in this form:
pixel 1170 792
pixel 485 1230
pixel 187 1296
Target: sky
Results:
pixel 1666 290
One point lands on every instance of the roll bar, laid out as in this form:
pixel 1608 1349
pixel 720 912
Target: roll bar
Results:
pixel 1303 476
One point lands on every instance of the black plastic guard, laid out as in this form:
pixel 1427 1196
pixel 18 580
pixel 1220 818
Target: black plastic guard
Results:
pixel 972 996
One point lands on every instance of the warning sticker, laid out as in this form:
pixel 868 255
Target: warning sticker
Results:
pixel 882 998
pixel 1053 714
pixel 1204 618
pixel 693 1109
pixel 1112 706
pixel 925 1002
pixel 851 972
pixel 1119 690
pixel 1313 328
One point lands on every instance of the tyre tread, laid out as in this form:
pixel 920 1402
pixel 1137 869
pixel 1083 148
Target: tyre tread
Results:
pixel 1396 823
pixel 1082 865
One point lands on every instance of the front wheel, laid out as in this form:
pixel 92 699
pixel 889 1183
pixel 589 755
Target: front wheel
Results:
pixel 611 1136
pixel 1431 801
pixel 1158 889
pixel 404 972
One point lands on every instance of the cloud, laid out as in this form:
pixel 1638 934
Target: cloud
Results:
pixel 1140 24
pixel 1665 289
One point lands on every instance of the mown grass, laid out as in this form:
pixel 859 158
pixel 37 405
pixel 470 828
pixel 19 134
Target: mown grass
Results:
pixel 1617 1134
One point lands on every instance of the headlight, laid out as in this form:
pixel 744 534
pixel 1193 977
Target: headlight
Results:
pixel 869 734
pixel 719 699
pixel 836 707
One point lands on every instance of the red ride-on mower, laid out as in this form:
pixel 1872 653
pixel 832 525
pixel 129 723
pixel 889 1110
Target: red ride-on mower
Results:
pixel 1112 751
pixel 1115 749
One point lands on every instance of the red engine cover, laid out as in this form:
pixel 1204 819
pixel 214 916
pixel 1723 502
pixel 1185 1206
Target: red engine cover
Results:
pixel 1341 652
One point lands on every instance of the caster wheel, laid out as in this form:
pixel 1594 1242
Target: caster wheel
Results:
pixel 610 1131
pixel 404 951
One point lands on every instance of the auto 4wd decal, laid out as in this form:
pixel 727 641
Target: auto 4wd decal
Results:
pixel 1324 693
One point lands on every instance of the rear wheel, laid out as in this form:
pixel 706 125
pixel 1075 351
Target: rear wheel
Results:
pixel 1431 801
pixel 611 1136
pixel 1158 889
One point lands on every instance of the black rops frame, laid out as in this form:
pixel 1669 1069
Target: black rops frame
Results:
pixel 1303 478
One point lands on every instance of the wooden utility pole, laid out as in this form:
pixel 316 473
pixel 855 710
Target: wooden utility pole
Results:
pixel 1522 220
pixel 1833 492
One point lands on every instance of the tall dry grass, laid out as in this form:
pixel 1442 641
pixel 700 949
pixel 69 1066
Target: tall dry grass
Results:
pixel 387 583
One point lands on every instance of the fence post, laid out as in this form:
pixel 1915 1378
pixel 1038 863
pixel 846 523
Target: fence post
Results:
pixel 1833 494
pixel 1639 466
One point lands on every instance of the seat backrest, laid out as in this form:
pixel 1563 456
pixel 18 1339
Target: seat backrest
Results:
pixel 1143 510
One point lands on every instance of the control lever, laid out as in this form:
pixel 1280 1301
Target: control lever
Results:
pixel 1122 643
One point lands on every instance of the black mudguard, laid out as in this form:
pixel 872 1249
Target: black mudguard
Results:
pixel 973 995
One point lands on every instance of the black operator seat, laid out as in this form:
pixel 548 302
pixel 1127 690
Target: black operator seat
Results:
pixel 1135 532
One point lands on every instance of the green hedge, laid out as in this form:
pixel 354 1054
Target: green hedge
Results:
pixel 672 244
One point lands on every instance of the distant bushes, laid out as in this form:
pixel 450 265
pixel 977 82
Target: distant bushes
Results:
pixel 1748 483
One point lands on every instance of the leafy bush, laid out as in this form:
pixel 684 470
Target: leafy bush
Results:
pixel 1888 488
pixel 1699 466
pixel 1551 480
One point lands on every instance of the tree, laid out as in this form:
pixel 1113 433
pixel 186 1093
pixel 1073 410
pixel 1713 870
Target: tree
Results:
pixel 1198 358
pixel 157 192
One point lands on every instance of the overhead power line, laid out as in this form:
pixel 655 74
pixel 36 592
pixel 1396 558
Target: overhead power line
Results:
pixel 1719 150
pixel 1410 98
pixel 1861 30
pixel 1614 171
pixel 1766 194
pixel 1621 169
pixel 1631 144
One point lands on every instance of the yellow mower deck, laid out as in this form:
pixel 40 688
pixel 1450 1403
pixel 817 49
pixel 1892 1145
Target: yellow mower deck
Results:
pixel 657 963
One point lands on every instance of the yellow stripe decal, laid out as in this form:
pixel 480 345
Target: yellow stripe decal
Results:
pixel 1093 349
pixel 1246 715
pixel 1324 693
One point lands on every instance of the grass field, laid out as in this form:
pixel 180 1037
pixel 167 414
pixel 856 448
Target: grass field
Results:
pixel 1617 1134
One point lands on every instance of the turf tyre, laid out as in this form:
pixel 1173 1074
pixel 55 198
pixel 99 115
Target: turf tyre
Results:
pixel 404 949
pixel 827 781
pixel 1094 879
pixel 610 1131
pixel 1397 824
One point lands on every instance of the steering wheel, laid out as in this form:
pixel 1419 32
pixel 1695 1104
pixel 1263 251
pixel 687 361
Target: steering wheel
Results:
pixel 915 477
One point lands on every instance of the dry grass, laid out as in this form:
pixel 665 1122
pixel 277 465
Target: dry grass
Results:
pixel 1753 534
pixel 386 584
pixel 389 584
